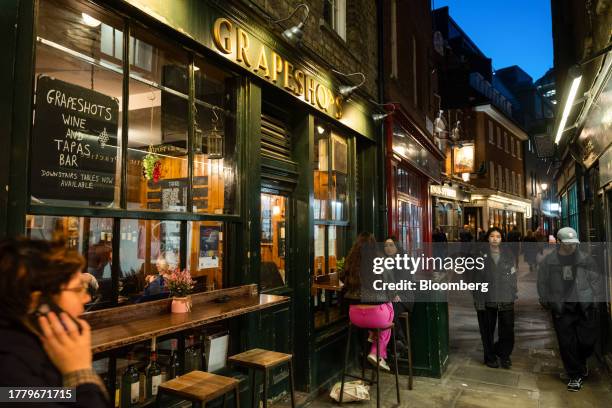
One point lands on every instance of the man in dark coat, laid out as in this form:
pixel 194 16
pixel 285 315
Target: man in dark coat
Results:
pixel 570 286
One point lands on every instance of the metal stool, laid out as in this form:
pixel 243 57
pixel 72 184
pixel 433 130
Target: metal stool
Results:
pixel 406 317
pixel 200 387
pixel 365 354
pixel 264 360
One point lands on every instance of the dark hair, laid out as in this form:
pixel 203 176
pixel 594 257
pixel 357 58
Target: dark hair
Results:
pixel 398 244
pixel 351 271
pixel 491 230
pixel 29 265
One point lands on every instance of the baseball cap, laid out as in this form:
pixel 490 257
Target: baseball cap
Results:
pixel 568 235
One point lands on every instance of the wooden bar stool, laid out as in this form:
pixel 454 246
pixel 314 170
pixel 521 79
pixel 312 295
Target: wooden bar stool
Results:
pixel 365 353
pixel 264 360
pixel 200 387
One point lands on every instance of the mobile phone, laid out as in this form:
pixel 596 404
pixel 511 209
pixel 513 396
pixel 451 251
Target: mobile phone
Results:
pixel 46 305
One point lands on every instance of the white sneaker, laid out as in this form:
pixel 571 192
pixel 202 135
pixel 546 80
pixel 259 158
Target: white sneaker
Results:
pixel 382 363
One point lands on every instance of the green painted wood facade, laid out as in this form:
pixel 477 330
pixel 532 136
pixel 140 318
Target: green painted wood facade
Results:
pixel 289 328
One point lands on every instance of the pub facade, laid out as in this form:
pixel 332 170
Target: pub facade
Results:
pixel 152 136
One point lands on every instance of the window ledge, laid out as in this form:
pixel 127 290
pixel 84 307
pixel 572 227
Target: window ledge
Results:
pixel 330 31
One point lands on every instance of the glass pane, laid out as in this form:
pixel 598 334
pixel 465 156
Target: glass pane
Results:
pixel 321 173
pixel 83 28
pixel 92 237
pixel 339 187
pixel 273 241
pixel 77 128
pixel 214 171
pixel 320 266
pixel 205 251
pixel 150 249
pixel 157 149
pixel 158 61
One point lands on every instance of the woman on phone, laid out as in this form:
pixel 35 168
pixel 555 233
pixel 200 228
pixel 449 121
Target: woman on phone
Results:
pixel 43 343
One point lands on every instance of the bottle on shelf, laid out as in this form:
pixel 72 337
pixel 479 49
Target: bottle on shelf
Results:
pixel 154 375
pixel 130 385
pixel 118 392
pixel 174 367
pixel 192 357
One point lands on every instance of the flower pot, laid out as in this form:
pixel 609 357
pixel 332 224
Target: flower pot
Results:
pixel 181 304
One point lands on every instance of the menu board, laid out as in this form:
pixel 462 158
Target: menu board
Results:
pixel 74 143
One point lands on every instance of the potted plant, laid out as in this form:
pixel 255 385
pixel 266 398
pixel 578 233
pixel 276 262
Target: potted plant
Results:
pixel 180 285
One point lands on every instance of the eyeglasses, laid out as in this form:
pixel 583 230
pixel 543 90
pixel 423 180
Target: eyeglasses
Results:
pixel 78 290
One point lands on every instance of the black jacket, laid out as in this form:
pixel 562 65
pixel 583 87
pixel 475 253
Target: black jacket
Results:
pixel 24 363
pixel 501 279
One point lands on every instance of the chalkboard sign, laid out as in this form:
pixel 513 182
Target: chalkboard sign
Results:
pixel 74 143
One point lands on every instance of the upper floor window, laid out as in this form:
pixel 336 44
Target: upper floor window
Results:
pixel 491 133
pixel 499 143
pixel 506 142
pixel 512 146
pixel 334 14
pixel 518 150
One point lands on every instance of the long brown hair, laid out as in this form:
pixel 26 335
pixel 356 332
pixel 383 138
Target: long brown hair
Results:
pixel 351 270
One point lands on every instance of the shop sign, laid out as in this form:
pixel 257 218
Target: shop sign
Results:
pixel 443 191
pixel 464 159
pixel 238 45
pixel 74 143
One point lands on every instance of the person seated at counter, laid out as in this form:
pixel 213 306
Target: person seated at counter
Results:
pixel 43 342
pixel 155 282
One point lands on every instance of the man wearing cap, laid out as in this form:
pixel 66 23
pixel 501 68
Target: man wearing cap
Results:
pixel 569 284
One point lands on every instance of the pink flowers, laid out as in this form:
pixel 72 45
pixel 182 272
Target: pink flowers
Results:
pixel 179 282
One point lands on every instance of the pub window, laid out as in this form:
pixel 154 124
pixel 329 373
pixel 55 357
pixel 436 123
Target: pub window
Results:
pixel 92 238
pixel 334 15
pixel 513 188
pixel 273 244
pixel 205 252
pixel 507 180
pixel 331 201
pixel 492 174
pixel 158 125
pixel 512 146
pixel 77 117
pixel 500 177
pixel 518 150
pixel 491 133
pixel 506 142
pixel 214 166
pixel 499 143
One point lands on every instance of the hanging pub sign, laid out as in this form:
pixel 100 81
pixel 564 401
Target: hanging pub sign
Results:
pixel 74 143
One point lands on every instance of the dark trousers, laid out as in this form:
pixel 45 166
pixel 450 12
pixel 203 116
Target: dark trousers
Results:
pixel 577 335
pixel 399 308
pixel 487 319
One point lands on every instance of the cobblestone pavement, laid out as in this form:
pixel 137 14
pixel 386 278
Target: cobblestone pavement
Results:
pixel 533 380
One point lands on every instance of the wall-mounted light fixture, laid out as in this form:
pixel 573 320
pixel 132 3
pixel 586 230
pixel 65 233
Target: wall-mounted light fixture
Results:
pixel 544 186
pixel 295 34
pixel 90 21
pixel 347 90
pixel 575 73
pixel 377 117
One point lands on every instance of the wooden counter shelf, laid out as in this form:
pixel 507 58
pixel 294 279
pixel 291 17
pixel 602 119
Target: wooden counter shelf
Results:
pixel 121 326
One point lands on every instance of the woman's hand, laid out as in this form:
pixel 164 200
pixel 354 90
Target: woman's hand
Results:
pixel 68 349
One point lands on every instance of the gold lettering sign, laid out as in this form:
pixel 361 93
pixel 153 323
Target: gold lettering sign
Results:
pixel 238 45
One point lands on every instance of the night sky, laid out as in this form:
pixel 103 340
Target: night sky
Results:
pixel 516 32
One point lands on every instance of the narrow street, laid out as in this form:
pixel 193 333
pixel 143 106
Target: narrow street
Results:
pixel 533 381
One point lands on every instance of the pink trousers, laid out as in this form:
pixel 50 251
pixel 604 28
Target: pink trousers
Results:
pixel 372 318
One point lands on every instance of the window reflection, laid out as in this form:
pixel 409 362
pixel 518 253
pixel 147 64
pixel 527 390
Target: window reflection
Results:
pixel 273 241
pixel 92 238
pixel 150 250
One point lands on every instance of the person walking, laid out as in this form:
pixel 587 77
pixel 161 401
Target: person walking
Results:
pixel 367 309
pixel 40 348
pixel 570 286
pixel 530 249
pixel 496 306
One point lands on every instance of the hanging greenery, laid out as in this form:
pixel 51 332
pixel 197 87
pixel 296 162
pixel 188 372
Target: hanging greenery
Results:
pixel 151 166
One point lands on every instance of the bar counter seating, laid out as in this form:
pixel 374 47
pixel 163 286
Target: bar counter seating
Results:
pixel 124 326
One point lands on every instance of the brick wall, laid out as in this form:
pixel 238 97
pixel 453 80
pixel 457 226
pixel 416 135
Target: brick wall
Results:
pixel 357 54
